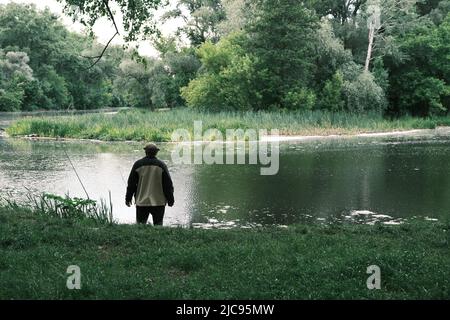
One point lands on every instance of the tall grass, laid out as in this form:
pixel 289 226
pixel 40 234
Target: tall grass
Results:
pixel 141 125
pixel 63 207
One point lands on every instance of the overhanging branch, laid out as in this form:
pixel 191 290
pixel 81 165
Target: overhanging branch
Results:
pixel 111 16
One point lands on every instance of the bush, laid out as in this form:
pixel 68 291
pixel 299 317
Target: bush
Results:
pixel 11 98
pixel 225 79
pixel 300 99
pixel 332 97
pixel 364 95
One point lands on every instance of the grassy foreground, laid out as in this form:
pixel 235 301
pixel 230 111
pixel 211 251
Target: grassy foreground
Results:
pixel 158 126
pixel 143 262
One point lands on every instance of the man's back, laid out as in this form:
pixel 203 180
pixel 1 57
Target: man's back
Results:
pixel 150 183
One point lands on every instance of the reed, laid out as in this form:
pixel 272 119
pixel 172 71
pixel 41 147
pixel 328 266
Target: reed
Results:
pixel 65 207
pixel 142 125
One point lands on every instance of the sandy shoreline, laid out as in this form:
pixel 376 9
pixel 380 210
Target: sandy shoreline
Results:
pixel 405 133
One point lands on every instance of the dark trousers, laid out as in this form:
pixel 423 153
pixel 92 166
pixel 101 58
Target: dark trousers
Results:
pixel 157 213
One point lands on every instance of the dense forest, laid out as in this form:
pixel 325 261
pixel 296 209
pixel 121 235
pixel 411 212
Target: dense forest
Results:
pixel 384 56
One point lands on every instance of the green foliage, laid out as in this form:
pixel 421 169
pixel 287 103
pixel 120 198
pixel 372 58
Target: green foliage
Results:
pixel 15 75
pixel 54 88
pixel 344 16
pixel 421 84
pixel 203 93
pixel 34 97
pixel 202 17
pixel 157 83
pixel 438 13
pixel 132 83
pixel 180 67
pixel 137 16
pixel 243 55
pixel 280 38
pixel 20 23
pixel 330 54
pixel 299 99
pixel 426 6
pixel 380 74
pixel 57 75
pixel 65 207
pixel 332 97
pixel 11 96
pixel 268 66
pixel 15 64
pixel 235 17
pixel 343 11
pixel 225 80
pixel 363 94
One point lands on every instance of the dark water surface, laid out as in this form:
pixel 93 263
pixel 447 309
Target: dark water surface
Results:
pixel 337 179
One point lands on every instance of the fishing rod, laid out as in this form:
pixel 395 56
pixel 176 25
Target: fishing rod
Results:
pixel 75 170
pixel 121 175
pixel 123 179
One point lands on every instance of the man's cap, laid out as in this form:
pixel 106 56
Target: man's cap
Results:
pixel 151 147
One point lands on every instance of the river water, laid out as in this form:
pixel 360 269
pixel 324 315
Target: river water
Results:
pixel 337 180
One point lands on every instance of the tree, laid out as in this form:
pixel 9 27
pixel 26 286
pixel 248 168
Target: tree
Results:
pixel 14 64
pixel 343 11
pixel 137 17
pixel 235 17
pixel 420 84
pixel 15 73
pixel 61 76
pixel 383 18
pixel 425 7
pixel 201 19
pixel 225 77
pixel 280 38
pixel 180 68
pixel 133 83
pixel 329 54
pixel 11 96
pixel 344 18
pixel 437 13
pixel 364 95
pixel 55 89
pixel 39 34
pixel 332 97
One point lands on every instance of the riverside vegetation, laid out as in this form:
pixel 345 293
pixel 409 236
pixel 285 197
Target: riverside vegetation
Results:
pixel 144 125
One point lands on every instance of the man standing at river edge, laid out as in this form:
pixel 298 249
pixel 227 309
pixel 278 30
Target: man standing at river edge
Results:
pixel 150 184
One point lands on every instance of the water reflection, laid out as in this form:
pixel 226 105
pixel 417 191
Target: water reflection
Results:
pixel 341 180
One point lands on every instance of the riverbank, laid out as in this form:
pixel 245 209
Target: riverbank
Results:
pixel 136 125
pixel 143 262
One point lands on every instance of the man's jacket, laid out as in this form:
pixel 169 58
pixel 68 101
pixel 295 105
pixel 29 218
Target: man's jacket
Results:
pixel 150 183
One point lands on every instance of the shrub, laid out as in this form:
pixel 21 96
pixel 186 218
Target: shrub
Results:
pixel 364 95
pixel 332 94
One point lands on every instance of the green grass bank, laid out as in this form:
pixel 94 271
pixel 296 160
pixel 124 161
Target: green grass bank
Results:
pixel 143 262
pixel 158 126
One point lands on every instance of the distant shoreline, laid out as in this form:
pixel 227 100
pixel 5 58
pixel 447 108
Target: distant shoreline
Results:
pixel 58 112
pixel 139 125
pixel 407 133
pixel 280 138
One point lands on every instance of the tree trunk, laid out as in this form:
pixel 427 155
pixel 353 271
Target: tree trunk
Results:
pixel 370 47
